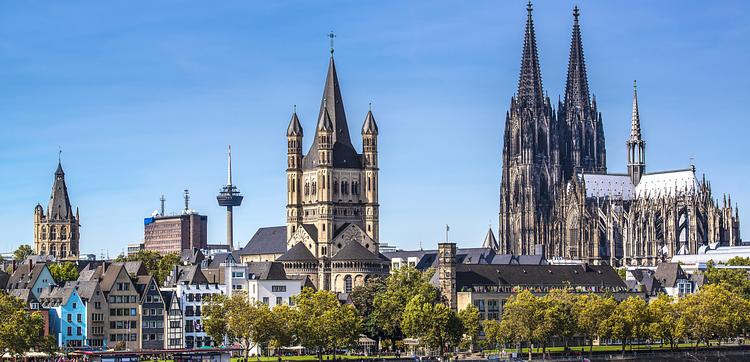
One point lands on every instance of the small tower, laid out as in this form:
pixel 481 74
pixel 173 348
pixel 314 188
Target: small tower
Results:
pixel 230 197
pixel 294 211
pixel 56 232
pixel 370 164
pixel 636 145
pixel 447 273
pixel 322 186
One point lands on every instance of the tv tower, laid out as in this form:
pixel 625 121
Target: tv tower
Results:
pixel 229 197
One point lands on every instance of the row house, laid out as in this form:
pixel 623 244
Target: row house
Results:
pixel 152 313
pixel 67 315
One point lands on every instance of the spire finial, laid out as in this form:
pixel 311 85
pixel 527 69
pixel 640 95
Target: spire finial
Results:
pixel 295 108
pixel 370 106
pixel 229 171
pixel 59 154
pixel 529 7
pixel 331 36
pixel 576 13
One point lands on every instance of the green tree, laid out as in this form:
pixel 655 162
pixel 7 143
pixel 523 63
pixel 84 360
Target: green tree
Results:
pixel 21 330
pixel 23 252
pixel 713 312
pixel 63 272
pixel 630 320
pixel 495 334
pixel 322 322
pixel 283 335
pixel 735 280
pixel 521 318
pixel 400 286
pixel 665 320
pixel 589 313
pixel 435 324
pixel 469 318
pixel 363 298
pixel 240 321
pixel 556 319
pixel 158 266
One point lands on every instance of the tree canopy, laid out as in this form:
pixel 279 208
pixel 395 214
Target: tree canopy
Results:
pixel 23 252
pixel 63 272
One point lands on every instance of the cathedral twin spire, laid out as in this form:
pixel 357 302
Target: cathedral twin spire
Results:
pixel 530 88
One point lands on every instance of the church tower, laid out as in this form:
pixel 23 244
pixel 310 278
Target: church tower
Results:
pixel 584 148
pixel 332 197
pixel 56 233
pixel 636 145
pixel 531 158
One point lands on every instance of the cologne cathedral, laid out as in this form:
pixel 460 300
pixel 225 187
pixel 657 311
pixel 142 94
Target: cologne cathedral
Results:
pixel 556 194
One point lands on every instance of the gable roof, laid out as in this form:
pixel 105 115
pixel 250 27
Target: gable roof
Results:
pixel 266 270
pixel 298 252
pixel 354 251
pixel 668 273
pixel 266 240
pixel 192 256
pixel 86 289
pixel 26 276
pixel 111 274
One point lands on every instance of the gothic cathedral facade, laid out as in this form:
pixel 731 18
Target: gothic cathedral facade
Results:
pixel 557 196
pixel 332 198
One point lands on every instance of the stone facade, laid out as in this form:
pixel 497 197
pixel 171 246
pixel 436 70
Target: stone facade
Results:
pixel 57 231
pixel 556 192
pixel 332 198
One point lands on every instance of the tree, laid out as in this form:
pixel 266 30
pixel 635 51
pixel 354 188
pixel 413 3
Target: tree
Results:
pixel 713 312
pixel 629 321
pixel 158 266
pixel 322 322
pixel 238 320
pixel 733 279
pixel 556 310
pixel 589 313
pixel 400 286
pixel 521 318
pixel 21 330
pixel 23 252
pixel 664 320
pixel 283 335
pixel 469 318
pixel 363 298
pixel 435 324
pixel 63 272
pixel 495 334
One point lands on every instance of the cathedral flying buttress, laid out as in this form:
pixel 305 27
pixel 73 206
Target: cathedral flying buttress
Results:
pixel 557 193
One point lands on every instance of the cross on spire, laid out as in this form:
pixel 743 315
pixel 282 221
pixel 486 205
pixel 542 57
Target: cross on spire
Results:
pixel 331 36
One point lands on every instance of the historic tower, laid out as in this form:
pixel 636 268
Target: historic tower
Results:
pixel 636 144
pixel 583 148
pixel 531 158
pixel 332 191
pixel 56 233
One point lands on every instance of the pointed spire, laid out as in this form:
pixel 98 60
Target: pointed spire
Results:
pixel 324 123
pixel 489 240
pixel 59 203
pixel 530 81
pixel 334 104
pixel 370 127
pixel 229 169
pixel 295 128
pixel 635 128
pixel 577 87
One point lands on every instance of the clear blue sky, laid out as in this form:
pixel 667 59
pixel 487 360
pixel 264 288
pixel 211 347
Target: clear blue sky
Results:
pixel 144 96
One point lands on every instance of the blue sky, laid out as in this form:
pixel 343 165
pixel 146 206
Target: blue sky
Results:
pixel 144 96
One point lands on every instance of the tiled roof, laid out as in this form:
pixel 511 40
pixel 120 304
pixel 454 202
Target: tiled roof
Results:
pixel 267 240
pixel 298 252
pixel 470 275
pixel 354 251
pixel 266 270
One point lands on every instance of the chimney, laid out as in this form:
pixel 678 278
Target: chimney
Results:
pixel 13 266
pixel 31 264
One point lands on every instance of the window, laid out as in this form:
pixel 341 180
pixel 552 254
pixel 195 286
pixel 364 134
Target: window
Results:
pixel 278 288
pixel 70 331
pixel 78 331
pixel 70 318
pixel 97 305
pixel 348 284
pixel 74 305
pixel 278 300
pixel 265 300
pixel 132 312
pixel 78 318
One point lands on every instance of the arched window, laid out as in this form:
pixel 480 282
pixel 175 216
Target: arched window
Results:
pixel 348 284
pixel 44 232
pixel 314 188
pixel 53 250
pixel 52 233
pixel 63 251
pixel 43 249
pixel 307 188
pixel 335 186
pixel 63 233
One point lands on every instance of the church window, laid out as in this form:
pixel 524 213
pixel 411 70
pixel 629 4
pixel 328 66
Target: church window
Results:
pixel 314 187
pixel 348 284
pixel 63 251
pixel 324 227
pixel 44 232
pixel 53 250
pixel 307 188
pixel 63 233
pixel 338 245
pixel 324 182
pixel 43 249
pixel 335 186
pixel 52 233
pixel 369 227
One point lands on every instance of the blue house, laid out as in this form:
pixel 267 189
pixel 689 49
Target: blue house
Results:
pixel 67 315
